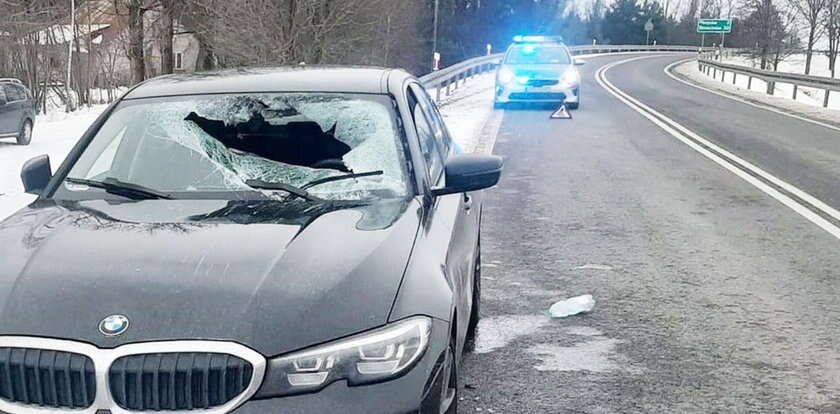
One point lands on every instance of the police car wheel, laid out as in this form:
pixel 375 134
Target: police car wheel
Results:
pixel 574 105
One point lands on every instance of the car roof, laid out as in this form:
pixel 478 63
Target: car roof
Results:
pixel 347 79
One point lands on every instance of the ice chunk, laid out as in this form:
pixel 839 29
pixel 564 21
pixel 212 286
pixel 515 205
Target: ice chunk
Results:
pixel 572 306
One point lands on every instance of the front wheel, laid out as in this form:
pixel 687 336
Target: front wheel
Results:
pixel 25 135
pixel 573 105
pixel 475 313
pixel 449 395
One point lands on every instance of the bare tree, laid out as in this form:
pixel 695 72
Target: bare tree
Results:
pixel 831 25
pixel 811 12
pixel 136 40
pixel 274 31
pixel 167 35
pixel 771 30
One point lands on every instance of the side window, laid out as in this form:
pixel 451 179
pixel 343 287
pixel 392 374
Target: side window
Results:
pixel 425 133
pixel 20 93
pixel 24 93
pixel 441 134
pixel 11 93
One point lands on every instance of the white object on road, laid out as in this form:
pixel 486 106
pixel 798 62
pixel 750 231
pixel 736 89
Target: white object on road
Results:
pixel 572 306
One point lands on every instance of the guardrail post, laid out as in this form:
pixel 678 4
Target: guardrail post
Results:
pixel 448 84
pixel 749 82
pixel 437 94
pixel 795 91
pixel 825 99
pixel 714 73
pixel 771 87
pixel 734 77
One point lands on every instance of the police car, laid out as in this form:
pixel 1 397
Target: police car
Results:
pixel 538 69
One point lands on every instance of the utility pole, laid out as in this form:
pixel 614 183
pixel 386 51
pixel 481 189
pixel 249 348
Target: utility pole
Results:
pixel 435 33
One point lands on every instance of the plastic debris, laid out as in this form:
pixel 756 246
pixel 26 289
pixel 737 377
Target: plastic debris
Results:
pixel 572 306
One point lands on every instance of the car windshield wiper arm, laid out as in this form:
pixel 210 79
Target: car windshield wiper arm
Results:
pixel 268 185
pixel 340 177
pixel 120 188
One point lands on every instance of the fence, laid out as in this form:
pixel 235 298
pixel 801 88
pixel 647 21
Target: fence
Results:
pixel 711 67
pixel 451 77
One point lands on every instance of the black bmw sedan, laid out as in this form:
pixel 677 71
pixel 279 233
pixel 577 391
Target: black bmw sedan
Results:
pixel 300 240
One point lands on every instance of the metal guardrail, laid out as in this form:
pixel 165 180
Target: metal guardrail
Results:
pixel 451 77
pixel 711 67
pixel 589 49
pixel 455 75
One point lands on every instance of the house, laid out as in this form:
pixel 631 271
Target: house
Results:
pixel 102 32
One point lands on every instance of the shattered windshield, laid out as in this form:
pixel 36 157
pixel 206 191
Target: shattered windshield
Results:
pixel 335 146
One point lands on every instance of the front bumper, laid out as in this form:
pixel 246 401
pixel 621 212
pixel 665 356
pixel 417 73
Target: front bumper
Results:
pixel 515 92
pixel 418 391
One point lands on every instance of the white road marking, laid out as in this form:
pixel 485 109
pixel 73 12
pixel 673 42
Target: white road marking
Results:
pixel 765 107
pixel 701 144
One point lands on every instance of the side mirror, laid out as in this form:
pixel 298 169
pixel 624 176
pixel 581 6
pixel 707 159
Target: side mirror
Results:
pixel 470 172
pixel 579 62
pixel 36 173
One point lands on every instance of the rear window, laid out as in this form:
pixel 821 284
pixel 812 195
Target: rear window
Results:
pixel 538 54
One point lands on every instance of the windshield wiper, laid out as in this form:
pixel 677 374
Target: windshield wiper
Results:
pixel 267 185
pixel 340 177
pixel 120 188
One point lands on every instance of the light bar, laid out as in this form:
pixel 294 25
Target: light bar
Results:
pixel 536 39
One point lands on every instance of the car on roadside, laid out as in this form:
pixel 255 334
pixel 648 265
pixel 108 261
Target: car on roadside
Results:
pixel 17 111
pixel 538 69
pixel 250 241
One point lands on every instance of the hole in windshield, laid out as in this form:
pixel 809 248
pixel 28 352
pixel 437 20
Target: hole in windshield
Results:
pixel 335 146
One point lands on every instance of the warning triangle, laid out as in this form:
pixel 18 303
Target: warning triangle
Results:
pixel 561 113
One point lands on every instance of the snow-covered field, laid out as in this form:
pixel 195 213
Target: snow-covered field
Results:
pixel 465 111
pixel 793 64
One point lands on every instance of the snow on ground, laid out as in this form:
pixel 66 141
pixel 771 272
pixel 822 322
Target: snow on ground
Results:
pixel 467 109
pixel 802 107
pixel 465 112
pixel 793 64
pixel 54 135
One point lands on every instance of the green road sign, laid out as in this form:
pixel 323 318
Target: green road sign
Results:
pixel 714 26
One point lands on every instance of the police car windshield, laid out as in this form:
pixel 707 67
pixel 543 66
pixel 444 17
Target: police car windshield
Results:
pixel 537 54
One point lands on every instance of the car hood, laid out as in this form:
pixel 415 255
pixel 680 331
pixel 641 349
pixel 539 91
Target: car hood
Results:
pixel 539 71
pixel 273 276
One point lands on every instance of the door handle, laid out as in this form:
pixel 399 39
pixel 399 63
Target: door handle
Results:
pixel 468 201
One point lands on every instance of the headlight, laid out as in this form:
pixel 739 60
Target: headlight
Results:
pixel 373 356
pixel 570 77
pixel 505 76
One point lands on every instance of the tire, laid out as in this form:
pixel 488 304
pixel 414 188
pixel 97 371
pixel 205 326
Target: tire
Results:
pixel 449 394
pixel 475 314
pixel 25 135
pixel 574 105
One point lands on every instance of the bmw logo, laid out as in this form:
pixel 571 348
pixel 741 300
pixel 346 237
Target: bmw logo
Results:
pixel 113 325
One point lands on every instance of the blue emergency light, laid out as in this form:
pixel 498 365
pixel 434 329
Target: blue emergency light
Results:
pixel 536 39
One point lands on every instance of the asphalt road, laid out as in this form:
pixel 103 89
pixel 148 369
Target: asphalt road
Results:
pixel 711 296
